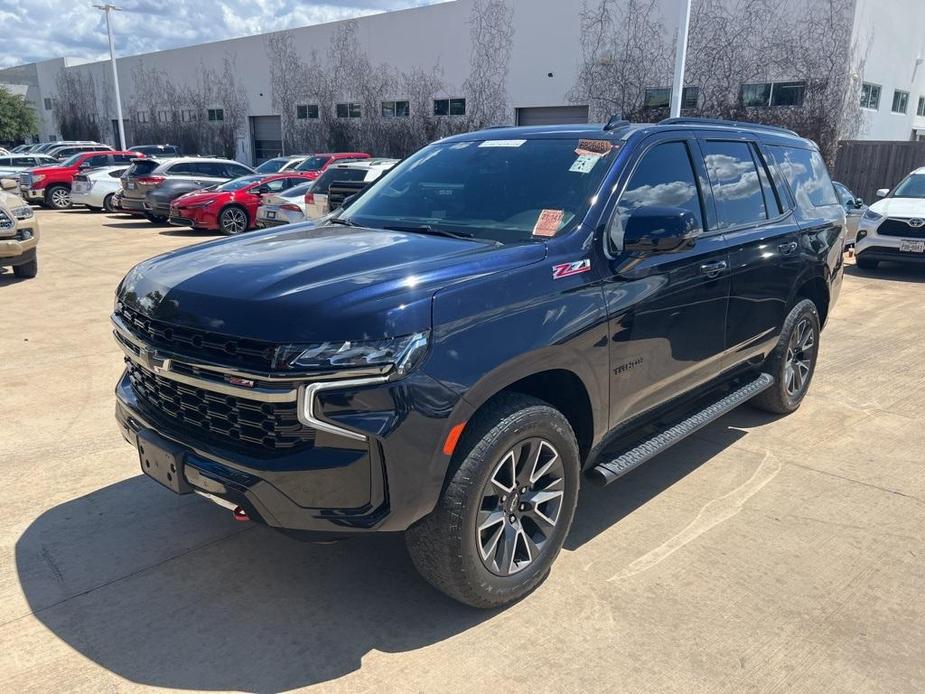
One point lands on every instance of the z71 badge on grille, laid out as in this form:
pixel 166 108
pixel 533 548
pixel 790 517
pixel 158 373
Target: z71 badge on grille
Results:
pixel 236 381
pixel 569 269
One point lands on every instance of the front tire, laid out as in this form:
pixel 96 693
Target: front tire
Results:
pixel 507 507
pixel 233 221
pixel 793 361
pixel 58 197
pixel 155 219
pixel 27 271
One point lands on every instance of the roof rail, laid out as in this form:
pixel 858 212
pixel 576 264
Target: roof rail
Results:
pixel 691 120
pixel 616 121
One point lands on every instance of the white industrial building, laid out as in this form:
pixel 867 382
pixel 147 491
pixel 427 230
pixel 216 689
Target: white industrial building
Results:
pixel 468 63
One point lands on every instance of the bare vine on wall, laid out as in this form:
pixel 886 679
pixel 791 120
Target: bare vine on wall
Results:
pixel 491 31
pixel 626 51
pixel 75 106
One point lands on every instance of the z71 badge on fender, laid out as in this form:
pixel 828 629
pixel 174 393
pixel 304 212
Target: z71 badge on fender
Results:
pixel 569 269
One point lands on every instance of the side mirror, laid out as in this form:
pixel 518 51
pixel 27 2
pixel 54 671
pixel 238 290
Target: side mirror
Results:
pixel 883 192
pixel 8 184
pixel 660 230
pixel 858 203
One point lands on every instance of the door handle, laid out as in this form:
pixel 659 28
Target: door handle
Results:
pixel 788 248
pixel 713 269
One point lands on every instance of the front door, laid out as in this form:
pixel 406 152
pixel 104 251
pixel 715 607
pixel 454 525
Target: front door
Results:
pixel 666 311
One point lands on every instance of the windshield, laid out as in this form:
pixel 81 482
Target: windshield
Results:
pixel 239 183
pixel 500 190
pixel 271 166
pixel 313 164
pixel 912 187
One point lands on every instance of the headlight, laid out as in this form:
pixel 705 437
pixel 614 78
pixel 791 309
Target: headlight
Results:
pixel 37 177
pixel 24 212
pixel 402 353
pixel 872 216
pixel 201 203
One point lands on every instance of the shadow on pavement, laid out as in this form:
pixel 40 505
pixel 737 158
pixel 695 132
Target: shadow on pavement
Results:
pixel 897 272
pixel 169 591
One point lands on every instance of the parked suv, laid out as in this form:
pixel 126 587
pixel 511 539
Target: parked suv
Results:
pixel 12 165
pixel 160 151
pixel 67 151
pixel 19 232
pixel 893 228
pixel 153 191
pixel 448 355
pixel 51 185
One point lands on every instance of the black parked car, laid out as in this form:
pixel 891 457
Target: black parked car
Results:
pixel 454 351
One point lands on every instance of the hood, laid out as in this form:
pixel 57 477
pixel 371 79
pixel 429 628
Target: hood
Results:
pixel 305 284
pixel 198 196
pixel 49 169
pixel 900 207
pixel 10 200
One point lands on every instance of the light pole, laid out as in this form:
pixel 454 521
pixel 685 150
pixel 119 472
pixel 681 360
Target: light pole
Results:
pixel 115 73
pixel 680 58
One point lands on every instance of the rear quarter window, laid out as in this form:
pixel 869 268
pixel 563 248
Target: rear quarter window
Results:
pixel 806 173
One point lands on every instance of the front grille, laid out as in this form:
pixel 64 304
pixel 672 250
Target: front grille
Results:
pixel 900 227
pixel 224 419
pixel 246 354
pixel 25 180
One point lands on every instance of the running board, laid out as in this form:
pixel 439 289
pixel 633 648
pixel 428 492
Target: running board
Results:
pixel 605 473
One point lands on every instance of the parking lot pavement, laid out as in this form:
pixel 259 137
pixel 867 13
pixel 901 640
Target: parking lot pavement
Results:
pixel 766 554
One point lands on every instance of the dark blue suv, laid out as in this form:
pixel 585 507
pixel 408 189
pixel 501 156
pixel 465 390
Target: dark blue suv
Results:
pixel 503 313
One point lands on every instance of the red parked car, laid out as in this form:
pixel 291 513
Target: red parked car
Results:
pixel 316 164
pixel 230 207
pixel 51 185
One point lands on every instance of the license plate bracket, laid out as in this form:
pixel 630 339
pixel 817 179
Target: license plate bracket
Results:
pixel 912 246
pixel 162 461
pixel 271 214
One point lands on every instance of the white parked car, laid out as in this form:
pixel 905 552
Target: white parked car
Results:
pixel 97 188
pixel 340 181
pixel 280 164
pixel 285 207
pixel 12 164
pixel 893 228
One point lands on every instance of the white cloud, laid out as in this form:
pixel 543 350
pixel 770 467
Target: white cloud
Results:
pixel 52 29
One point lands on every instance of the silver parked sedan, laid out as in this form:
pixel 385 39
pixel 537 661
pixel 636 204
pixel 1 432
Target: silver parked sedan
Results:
pixel 854 210
pixel 285 207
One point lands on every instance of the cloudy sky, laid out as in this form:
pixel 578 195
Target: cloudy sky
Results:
pixel 41 29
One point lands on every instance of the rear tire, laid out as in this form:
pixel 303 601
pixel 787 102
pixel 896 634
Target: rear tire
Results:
pixel 489 541
pixel 793 361
pixel 866 263
pixel 58 197
pixel 27 270
pixel 107 203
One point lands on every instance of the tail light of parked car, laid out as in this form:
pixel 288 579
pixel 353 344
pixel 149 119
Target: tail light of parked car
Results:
pixel 309 198
pixel 290 207
pixel 151 180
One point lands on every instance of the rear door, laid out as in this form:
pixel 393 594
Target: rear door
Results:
pixel 764 239
pixel 666 311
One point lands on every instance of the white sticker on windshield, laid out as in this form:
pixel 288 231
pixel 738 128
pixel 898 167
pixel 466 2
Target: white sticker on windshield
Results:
pixel 460 145
pixel 584 163
pixel 502 143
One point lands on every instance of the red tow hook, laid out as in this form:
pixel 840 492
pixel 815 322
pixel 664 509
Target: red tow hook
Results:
pixel 240 514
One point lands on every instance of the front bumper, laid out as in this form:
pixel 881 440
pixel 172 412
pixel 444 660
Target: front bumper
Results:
pixel 380 467
pixel 32 194
pixel 874 246
pixel 14 250
pixel 195 217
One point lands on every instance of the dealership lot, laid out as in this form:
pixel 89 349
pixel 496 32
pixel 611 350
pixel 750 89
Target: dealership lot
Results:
pixel 763 554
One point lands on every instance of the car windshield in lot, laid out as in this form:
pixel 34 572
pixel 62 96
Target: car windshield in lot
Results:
pixel 239 183
pixel 272 165
pixel 912 187
pixel 508 191
pixel 312 164
pixel 72 161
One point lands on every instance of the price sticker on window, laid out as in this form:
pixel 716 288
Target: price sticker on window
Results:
pixel 548 223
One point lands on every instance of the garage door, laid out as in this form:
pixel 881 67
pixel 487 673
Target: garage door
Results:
pixel 552 115
pixel 267 132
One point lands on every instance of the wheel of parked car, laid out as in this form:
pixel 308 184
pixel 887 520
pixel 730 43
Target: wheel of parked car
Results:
pixel 507 508
pixel 107 203
pixel 866 263
pixel 27 270
pixel 232 220
pixel 58 197
pixel 793 361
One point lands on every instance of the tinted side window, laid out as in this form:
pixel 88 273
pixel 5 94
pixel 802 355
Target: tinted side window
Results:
pixel 4 161
pixel 236 171
pixel 186 168
pixel 772 199
pixel 97 160
pixel 210 169
pixel 807 175
pixel 663 177
pixel 123 158
pixel 734 179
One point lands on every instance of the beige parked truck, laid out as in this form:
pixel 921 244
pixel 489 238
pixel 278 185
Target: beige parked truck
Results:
pixel 19 232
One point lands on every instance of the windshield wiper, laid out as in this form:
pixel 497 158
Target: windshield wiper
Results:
pixel 345 222
pixel 427 229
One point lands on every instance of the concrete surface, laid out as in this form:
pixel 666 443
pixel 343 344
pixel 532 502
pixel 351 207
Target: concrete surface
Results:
pixel 763 555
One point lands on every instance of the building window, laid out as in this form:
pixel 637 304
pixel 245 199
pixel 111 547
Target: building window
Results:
pixel 920 111
pixel 163 116
pixel 900 101
pixel 216 114
pixel 189 115
pixel 396 109
pixel 306 111
pixel 661 97
pixel 773 94
pixel 350 110
pixel 870 96
pixel 141 117
pixel 449 107
pixel 47 104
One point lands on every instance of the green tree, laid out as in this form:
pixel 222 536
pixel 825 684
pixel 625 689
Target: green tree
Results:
pixel 17 117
